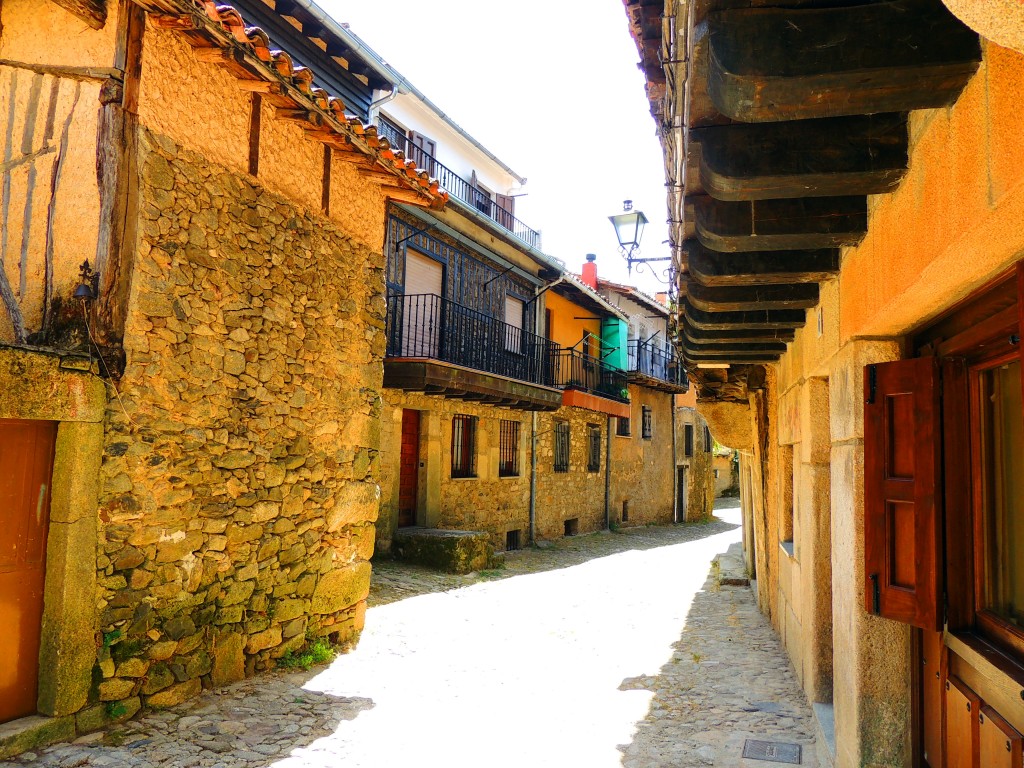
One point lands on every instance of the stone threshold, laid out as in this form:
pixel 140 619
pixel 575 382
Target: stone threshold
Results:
pixel 35 731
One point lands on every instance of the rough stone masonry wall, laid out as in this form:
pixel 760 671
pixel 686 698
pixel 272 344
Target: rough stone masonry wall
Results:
pixel 486 502
pixel 240 461
pixel 577 493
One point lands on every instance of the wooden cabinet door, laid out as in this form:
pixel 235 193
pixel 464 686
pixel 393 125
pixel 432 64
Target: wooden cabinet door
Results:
pixel 932 677
pixel 1000 744
pixel 962 709
pixel 26 464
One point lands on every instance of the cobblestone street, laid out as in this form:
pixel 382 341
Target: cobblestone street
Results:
pixel 601 650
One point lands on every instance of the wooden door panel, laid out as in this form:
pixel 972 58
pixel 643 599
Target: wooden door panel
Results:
pixel 26 465
pixel 408 468
pixel 1001 746
pixel 932 674
pixel 962 710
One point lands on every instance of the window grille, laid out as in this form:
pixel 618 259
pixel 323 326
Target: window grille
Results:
pixel 646 425
pixel 508 449
pixel 561 446
pixel 688 440
pixel 463 446
pixel 512 540
pixel 594 460
pixel 622 426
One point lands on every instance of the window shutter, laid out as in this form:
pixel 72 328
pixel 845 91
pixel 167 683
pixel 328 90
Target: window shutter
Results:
pixel 506 210
pixel 902 476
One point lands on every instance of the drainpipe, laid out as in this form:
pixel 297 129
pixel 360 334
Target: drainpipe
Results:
pixel 675 466
pixel 376 105
pixel 533 478
pixel 608 473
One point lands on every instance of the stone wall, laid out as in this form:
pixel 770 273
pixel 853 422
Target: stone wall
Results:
pixel 700 476
pixel 486 502
pixel 240 461
pixel 577 494
pixel 642 468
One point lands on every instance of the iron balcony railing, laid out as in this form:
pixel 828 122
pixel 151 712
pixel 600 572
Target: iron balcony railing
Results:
pixel 427 326
pixel 649 359
pixel 575 370
pixel 458 187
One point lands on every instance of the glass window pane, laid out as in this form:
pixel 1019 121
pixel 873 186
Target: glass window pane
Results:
pixel 1003 460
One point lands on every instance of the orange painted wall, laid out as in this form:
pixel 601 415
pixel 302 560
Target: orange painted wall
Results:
pixel 566 330
pixel 956 221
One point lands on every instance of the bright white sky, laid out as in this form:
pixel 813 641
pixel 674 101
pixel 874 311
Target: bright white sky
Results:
pixel 552 88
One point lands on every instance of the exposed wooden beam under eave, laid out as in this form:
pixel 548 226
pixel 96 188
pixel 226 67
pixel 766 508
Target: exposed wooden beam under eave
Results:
pixel 699 336
pixel 768 64
pixel 765 347
pixel 740 298
pixel 715 269
pixel 859 155
pixel 92 12
pixel 738 357
pixel 780 225
pixel 759 319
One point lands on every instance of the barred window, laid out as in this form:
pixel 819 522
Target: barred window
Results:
pixel 463 446
pixel 647 424
pixel 622 426
pixel 594 459
pixel 561 446
pixel 508 449
pixel 688 440
pixel 707 439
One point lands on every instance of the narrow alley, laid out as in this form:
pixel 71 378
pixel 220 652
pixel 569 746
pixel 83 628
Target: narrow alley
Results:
pixel 600 650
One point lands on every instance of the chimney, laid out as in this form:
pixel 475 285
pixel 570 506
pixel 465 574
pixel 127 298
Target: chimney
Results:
pixel 589 276
pixel 662 298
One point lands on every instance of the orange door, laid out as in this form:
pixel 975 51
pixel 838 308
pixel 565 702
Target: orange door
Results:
pixel 26 464
pixel 408 468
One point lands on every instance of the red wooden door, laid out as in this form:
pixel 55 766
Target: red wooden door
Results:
pixel 408 468
pixel 26 464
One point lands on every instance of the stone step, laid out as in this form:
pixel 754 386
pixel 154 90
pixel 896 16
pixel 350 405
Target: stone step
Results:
pixel 732 567
pixel 445 550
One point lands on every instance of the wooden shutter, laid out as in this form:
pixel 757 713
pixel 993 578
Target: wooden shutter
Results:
pixel 514 324
pixel 902 475
pixel 506 210
pixel 423 151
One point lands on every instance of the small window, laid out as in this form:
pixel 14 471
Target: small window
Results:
pixel 571 527
pixel 707 439
pixel 508 449
pixel 646 425
pixel 688 440
pixel 594 455
pixel 463 446
pixel 561 446
pixel 622 426
pixel 512 541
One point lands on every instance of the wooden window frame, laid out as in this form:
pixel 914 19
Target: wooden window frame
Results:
pixel 622 427
pixel 594 446
pixel 463 455
pixel 646 422
pixel 971 338
pixel 508 448
pixel 562 436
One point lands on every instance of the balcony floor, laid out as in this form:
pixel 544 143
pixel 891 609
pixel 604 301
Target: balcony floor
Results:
pixel 437 378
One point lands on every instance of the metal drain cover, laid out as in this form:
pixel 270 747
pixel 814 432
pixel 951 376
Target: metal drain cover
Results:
pixel 776 751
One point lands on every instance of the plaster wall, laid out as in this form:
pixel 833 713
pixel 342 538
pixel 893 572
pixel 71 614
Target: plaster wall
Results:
pixel 566 330
pixel 49 198
pixel 700 477
pixel 642 468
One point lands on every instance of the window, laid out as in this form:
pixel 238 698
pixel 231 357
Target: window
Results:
pixel 394 133
pixel 707 439
pixel 561 446
pixel 463 446
pixel 688 440
pixel 594 455
pixel 646 425
pixel 508 449
pixel 513 324
pixel 622 426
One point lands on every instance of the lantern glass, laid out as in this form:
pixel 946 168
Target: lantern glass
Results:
pixel 629 228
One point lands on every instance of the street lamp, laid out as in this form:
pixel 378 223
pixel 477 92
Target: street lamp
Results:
pixel 629 228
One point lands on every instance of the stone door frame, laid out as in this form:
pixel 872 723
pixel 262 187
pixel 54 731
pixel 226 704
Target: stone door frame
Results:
pixel 45 386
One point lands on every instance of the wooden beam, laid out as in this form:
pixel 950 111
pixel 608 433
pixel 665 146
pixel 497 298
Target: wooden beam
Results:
pixel 745 357
pixel 711 346
pixel 714 269
pixel 699 336
pixel 860 155
pixel 740 298
pixel 760 318
pixel 92 12
pixel 780 225
pixel 767 64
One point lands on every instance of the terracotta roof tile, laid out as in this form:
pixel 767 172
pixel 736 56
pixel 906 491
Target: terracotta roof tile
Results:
pixel 248 55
